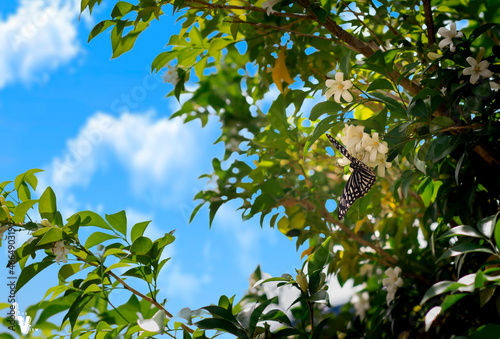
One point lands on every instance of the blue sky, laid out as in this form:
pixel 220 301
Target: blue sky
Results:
pixel 100 130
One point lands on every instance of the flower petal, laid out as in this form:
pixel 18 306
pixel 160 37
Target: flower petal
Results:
pixel 347 96
pixel 474 78
pixel 471 61
pixel 468 71
pixel 339 76
pixel 337 96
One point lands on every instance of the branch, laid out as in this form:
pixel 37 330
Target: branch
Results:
pixel 431 33
pixel 131 289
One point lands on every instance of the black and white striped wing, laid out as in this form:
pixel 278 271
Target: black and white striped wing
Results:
pixel 341 148
pixel 359 183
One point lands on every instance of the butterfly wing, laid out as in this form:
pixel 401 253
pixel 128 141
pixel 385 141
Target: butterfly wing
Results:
pixel 341 148
pixel 360 182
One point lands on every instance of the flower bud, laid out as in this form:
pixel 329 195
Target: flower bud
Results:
pixel 301 280
pixel 46 223
pixel 480 54
pixel 433 56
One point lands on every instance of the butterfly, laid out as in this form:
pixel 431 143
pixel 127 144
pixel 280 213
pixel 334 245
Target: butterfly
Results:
pixel 359 183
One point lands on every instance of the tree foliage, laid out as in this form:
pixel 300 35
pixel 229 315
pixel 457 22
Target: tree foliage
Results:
pixel 430 222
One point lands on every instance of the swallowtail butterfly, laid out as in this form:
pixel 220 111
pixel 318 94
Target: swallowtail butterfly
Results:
pixel 359 183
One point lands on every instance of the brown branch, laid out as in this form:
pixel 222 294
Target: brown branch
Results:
pixel 285 30
pixel 212 6
pixel 131 289
pixel 431 33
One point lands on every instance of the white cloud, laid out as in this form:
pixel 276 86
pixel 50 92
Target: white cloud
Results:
pixel 40 36
pixel 160 155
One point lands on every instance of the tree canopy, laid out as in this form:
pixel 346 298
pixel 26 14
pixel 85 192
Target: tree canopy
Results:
pixel 410 88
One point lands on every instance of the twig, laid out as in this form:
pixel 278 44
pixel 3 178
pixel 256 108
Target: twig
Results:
pixel 131 289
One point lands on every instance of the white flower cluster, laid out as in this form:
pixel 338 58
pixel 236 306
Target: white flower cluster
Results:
pixel 392 282
pixel 477 67
pixel 171 75
pixel 368 148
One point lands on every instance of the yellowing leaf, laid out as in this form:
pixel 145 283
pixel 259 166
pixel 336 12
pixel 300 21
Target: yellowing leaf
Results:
pixel 280 72
pixel 362 112
pixel 306 252
pixel 238 12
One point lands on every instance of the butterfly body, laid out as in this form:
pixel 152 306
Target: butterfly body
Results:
pixel 359 183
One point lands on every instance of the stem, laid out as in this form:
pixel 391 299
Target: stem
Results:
pixel 139 294
pixel 311 316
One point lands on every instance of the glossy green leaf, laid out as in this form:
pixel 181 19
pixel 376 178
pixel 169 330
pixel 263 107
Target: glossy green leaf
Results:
pixel 22 209
pixel 324 107
pixel 52 235
pixel 97 238
pixel 47 205
pixel 462 230
pixel 90 218
pixel 464 248
pixel 118 221
pixel 141 245
pixel 138 229
pixel 380 84
pixel 30 271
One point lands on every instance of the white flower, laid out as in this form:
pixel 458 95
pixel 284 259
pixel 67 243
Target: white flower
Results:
pixel 494 86
pixel 373 146
pixel 352 137
pixel 268 5
pixel 46 223
pixel 392 282
pixel 381 164
pixel 339 88
pixel 361 303
pixel 60 250
pixel 448 35
pixel 171 75
pixel 155 324
pixel 477 69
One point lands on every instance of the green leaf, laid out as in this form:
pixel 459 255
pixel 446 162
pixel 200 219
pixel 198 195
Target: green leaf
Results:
pixel 486 226
pixel 439 123
pixel 462 230
pixel 121 9
pixel 458 166
pixel 463 248
pixel 141 245
pixel 319 258
pixel 344 64
pixel 440 288
pixel 431 316
pixel 392 105
pixel 321 128
pixel 138 230
pixel 47 205
pixel 418 109
pixel 440 147
pixel 480 30
pixel 118 221
pixel 21 210
pixel 497 233
pixel 162 59
pixel 257 313
pixel 98 238
pixel 30 271
pixel 221 324
pixel 52 235
pixel 90 218
pixel 92 288
pixel 380 84
pixel 68 270
pixel 76 308
pixel 451 299
pixel 234 30
pixel 100 27
pixel 324 107
pixel 214 206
